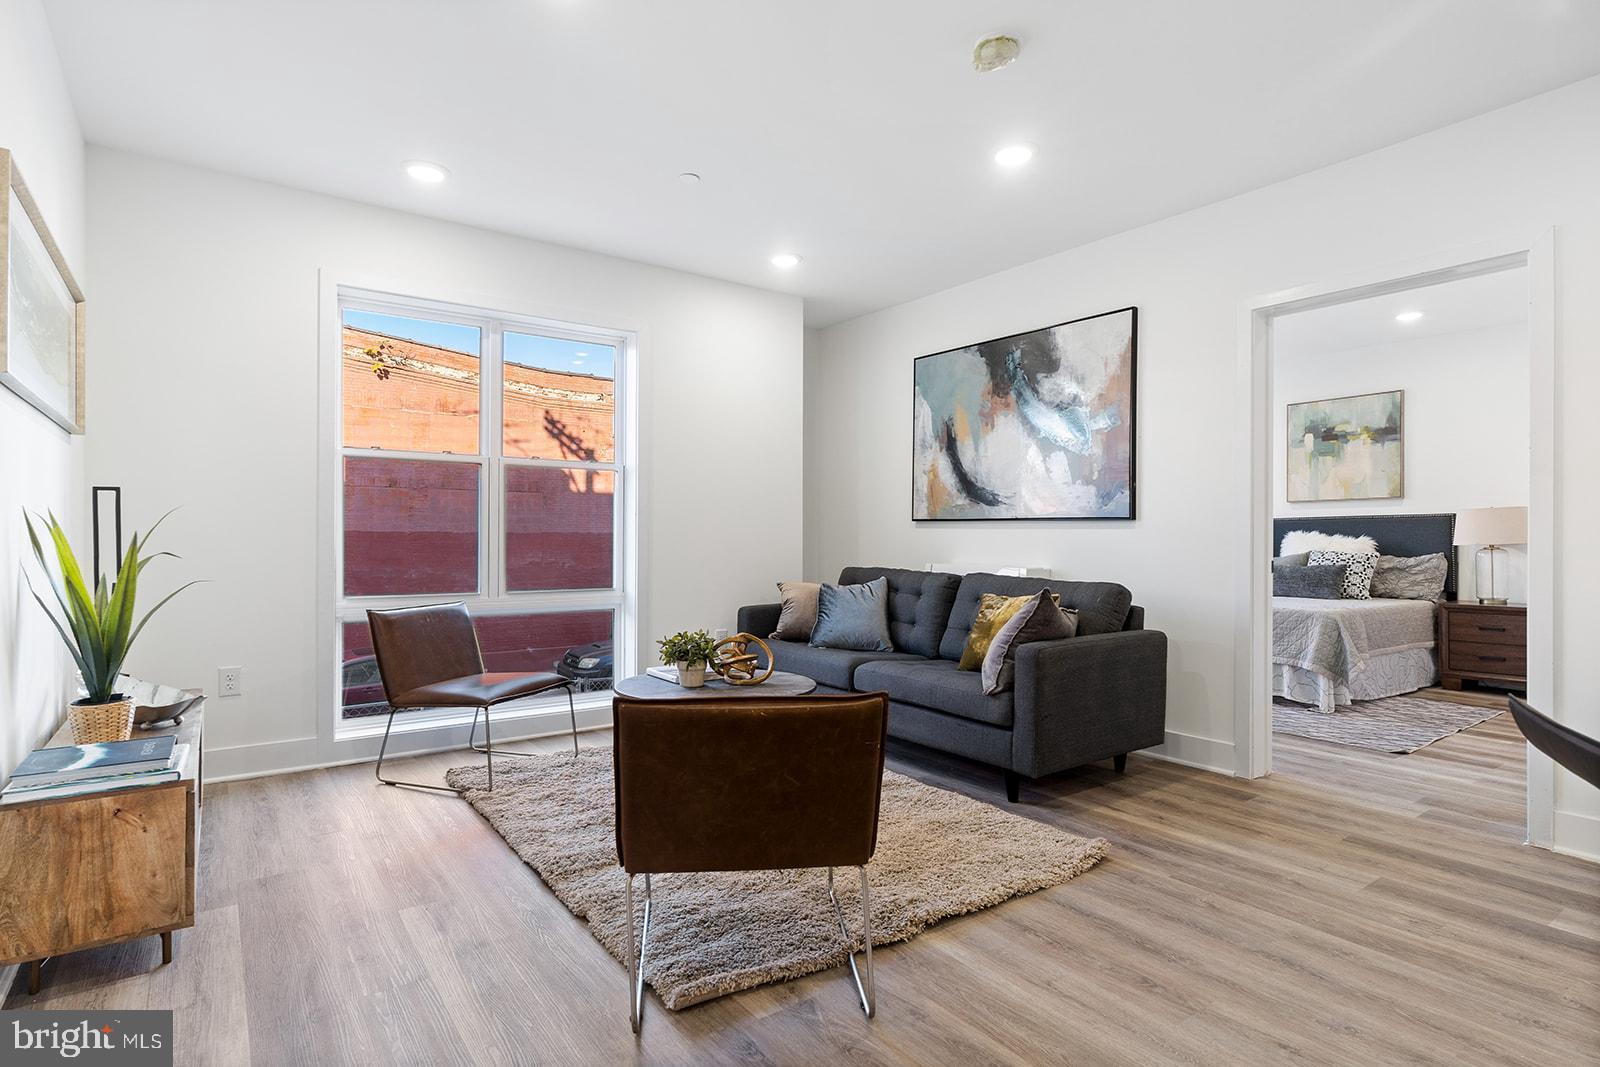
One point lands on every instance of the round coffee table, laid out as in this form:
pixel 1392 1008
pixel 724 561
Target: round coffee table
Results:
pixel 646 687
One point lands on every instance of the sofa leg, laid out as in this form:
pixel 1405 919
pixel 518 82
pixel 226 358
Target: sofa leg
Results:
pixel 1013 785
pixel 1119 763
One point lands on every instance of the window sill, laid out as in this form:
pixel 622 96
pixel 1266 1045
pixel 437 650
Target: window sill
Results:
pixel 508 718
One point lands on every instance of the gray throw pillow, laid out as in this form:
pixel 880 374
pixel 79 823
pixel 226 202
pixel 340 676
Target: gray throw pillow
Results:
pixel 1358 571
pixel 854 617
pixel 1410 577
pixel 1314 583
pixel 798 615
pixel 1042 620
pixel 1298 559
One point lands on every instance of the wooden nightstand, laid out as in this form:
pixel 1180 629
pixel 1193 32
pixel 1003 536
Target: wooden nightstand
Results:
pixel 1484 643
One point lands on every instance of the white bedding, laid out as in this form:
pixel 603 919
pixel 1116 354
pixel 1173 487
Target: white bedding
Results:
pixel 1327 653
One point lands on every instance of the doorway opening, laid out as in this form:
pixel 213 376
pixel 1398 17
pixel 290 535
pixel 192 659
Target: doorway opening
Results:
pixel 1397 433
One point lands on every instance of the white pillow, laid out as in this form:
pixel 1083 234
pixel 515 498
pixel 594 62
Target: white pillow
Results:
pixel 1297 541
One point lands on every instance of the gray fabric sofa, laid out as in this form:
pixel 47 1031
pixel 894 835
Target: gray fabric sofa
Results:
pixel 1099 695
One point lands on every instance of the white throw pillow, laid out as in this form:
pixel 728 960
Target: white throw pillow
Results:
pixel 1297 541
pixel 1358 573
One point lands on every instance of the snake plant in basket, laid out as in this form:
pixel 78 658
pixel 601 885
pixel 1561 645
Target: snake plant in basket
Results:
pixel 98 627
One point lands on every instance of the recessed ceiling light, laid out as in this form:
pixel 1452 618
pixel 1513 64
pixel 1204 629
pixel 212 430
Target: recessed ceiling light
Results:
pixel 426 173
pixel 689 177
pixel 1014 155
pixel 1408 316
pixel 786 261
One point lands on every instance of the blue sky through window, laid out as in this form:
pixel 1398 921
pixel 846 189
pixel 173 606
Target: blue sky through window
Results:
pixel 554 353
pixel 424 331
pixel 523 349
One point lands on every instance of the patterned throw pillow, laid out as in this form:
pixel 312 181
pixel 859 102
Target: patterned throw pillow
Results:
pixel 994 611
pixel 1410 577
pixel 1042 618
pixel 1358 575
pixel 797 616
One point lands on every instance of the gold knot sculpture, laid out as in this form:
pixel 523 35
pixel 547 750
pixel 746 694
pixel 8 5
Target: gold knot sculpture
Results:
pixel 732 659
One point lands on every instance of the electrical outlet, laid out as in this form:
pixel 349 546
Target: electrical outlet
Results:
pixel 230 681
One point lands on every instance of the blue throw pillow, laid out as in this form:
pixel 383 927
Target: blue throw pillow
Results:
pixel 854 617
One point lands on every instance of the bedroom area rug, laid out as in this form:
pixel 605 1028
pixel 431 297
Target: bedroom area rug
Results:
pixel 940 854
pixel 1394 724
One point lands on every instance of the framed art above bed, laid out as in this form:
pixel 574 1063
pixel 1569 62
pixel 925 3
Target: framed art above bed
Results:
pixel 1347 448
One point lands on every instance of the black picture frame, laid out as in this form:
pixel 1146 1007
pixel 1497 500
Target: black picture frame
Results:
pixel 1133 424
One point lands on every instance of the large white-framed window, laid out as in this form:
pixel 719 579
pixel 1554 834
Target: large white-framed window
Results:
pixel 481 456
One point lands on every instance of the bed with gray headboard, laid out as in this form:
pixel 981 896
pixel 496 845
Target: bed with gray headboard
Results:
pixel 1328 653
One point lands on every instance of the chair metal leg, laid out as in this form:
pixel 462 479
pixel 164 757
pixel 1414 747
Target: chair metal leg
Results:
pixel 384 747
pixel 636 961
pixel 572 713
pixel 864 989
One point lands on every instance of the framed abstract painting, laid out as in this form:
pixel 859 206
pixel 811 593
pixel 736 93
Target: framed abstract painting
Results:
pixel 1038 425
pixel 1347 448
pixel 41 309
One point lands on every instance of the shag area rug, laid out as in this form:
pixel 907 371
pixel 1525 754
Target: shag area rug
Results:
pixel 939 854
pixel 1393 724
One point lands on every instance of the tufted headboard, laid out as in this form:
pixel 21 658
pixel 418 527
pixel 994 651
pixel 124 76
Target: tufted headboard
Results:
pixel 1397 535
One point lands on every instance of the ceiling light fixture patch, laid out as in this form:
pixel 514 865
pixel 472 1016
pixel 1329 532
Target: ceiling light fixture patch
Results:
pixel 425 172
pixel 785 260
pixel 1014 155
pixel 995 52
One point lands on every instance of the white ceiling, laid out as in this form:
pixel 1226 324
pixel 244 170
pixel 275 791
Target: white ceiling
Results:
pixel 854 133
pixel 1477 303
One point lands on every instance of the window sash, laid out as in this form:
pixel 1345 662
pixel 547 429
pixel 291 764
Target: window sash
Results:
pixel 493 585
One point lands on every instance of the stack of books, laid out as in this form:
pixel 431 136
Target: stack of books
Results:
pixel 73 769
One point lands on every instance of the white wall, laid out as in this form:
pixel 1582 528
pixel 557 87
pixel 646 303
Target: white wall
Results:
pixel 1506 175
pixel 1466 426
pixel 207 391
pixel 41 466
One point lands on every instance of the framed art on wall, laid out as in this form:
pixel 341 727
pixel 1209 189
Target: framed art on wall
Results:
pixel 41 309
pixel 1347 448
pixel 1037 425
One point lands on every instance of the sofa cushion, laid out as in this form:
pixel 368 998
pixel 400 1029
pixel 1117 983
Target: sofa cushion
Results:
pixel 1102 606
pixel 835 667
pixel 919 604
pixel 937 684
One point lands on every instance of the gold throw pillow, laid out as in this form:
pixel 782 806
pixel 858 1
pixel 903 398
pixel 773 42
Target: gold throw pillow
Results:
pixel 994 611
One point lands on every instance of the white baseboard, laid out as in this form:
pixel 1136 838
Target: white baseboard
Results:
pixel 1577 834
pixel 237 762
pixel 1203 753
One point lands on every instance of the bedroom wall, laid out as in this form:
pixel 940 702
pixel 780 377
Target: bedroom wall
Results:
pixel 207 398
pixel 1466 425
pixel 1509 174
pixel 43 465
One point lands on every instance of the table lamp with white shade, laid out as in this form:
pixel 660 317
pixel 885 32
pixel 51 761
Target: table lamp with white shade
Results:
pixel 1491 528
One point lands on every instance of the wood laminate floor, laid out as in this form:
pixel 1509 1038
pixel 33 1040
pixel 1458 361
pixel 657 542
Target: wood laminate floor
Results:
pixel 1354 908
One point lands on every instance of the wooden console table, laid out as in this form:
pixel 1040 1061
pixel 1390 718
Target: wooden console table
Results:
pixel 94 869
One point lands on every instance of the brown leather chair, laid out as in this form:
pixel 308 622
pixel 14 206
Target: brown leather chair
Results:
pixel 746 784
pixel 429 657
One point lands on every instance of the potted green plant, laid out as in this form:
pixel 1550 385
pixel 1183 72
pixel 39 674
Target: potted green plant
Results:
pixel 688 651
pixel 98 627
